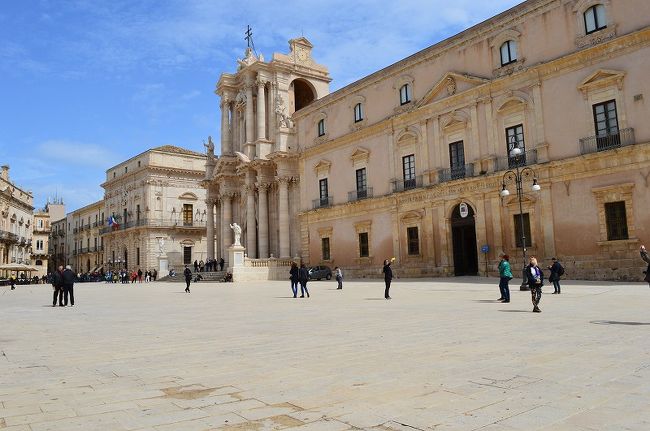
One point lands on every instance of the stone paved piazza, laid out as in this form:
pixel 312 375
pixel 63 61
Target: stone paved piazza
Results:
pixel 441 355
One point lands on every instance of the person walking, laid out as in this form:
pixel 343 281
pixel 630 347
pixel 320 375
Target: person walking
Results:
pixel 196 266
pixel 557 271
pixel 140 275
pixel 294 276
pixel 388 276
pixel 339 277
pixel 646 259
pixel 68 285
pixel 505 275
pixel 304 278
pixel 201 266
pixel 221 263
pixel 57 285
pixel 188 278
pixel 535 282
pixel 12 282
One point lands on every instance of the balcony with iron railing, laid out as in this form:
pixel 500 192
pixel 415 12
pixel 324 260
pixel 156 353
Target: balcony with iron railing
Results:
pixel 9 237
pixel 357 195
pixel 526 158
pixel 177 224
pixel 323 202
pixel 400 185
pixel 455 173
pixel 607 141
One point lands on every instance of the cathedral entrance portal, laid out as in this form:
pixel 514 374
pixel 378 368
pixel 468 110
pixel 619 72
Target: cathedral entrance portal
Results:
pixel 463 232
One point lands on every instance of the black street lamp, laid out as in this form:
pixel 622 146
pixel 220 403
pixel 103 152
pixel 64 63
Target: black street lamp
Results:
pixel 518 176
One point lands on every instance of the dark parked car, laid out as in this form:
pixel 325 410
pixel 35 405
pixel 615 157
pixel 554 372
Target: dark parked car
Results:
pixel 319 272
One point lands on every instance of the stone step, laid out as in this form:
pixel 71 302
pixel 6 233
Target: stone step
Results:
pixel 205 276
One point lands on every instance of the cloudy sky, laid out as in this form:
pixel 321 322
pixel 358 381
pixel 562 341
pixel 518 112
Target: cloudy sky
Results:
pixel 87 84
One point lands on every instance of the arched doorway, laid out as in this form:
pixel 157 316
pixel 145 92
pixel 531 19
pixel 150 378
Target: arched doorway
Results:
pixel 303 94
pixel 463 233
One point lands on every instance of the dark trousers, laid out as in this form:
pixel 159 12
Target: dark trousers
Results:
pixel 187 282
pixel 504 288
pixel 536 293
pixel 556 285
pixel 68 291
pixel 386 292
pixel 340 280
pixel 58 293
pixel 294 287
pixel 303 289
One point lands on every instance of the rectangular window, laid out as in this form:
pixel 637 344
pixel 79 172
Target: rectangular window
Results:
pixel 137 256
pixel 515 139
pixel 408 171
pixel 325 248
pixel 187 214
pixel 363 245
pixel 321 127
pixel 595 18
pixel 606 125
pixel 324 192
pixel 137 212
pixel 187 255
pixel 508 52
pixel 518 239
pixel 457 160
pixel 358 112
pixel 616 221
pixel 413 241
pixel 404 94
pixel 362 184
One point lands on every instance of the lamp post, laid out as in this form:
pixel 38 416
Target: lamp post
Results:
pixel 518 176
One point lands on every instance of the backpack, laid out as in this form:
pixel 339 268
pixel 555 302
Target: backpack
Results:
pixel 560 271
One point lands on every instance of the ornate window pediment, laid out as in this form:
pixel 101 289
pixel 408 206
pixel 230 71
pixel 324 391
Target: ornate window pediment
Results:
pixel 451 83
pixel 602 78
pixel 411 217
pixel 323 167
pixel 360 155
pixel 188 196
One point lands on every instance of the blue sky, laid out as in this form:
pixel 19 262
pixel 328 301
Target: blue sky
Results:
pixel 87 84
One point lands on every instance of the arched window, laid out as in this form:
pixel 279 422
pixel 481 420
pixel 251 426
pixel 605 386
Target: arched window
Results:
pixel 321 127
pixel 595 18
pixel 358 112
pixel 404 94
pixel 508 52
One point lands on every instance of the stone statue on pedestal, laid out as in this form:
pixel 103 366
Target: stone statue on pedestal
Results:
pixel 237 229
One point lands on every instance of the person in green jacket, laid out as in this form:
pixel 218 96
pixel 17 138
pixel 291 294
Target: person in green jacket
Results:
pixel 505 275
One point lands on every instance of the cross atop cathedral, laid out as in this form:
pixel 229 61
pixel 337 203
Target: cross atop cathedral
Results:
pixel 249 35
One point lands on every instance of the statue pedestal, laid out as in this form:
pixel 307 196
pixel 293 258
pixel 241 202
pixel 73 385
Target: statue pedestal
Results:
pixel 235 257
pixel 163 266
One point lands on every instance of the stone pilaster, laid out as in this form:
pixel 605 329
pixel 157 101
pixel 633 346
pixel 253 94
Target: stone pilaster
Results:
pixel 251 231
pixel 226 234
pixel 263 220
pixel 226 141
pixel 283 217
pixel 261 110
pixel 210 227
pixel 250 120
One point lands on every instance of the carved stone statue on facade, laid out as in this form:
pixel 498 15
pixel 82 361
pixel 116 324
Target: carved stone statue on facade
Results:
pixel 283 119
pixel 237 229
pixel 161 246
pixel 451 86
pixel 210 148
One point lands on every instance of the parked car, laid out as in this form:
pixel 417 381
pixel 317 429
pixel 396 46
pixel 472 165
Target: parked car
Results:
pixel 319 272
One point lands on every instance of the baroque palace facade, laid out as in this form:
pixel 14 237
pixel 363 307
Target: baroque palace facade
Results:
pixel 410 161
pixel 16 221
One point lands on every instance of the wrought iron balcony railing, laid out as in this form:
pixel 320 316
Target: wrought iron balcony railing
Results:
pixel 357 195
pixel 400 185
pixel 322 202
pixel 455 173
pixel 609 141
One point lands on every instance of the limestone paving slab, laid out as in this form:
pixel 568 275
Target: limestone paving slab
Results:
pixel 442 354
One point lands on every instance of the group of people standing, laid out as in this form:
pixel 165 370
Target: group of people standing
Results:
pixel 209 266
pixel 534 276
pixel 299 276
pixel 63 286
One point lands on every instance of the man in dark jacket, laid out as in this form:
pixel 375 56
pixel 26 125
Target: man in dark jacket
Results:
pixel 57 284
pixel 68 285
pixel 303 277
pixel 188 278
pixel 556 273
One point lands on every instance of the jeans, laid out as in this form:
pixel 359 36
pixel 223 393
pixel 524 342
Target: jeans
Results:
pixel 504 288
pixel 340 280
pixel 556 285
pixel 294 287
pixel 303 288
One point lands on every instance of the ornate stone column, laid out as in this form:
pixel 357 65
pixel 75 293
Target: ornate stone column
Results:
pixel 209 224
pixel 261 109
pixel 263 220
pixel 249 114
pixel 225 126
pixel 283 217
pixel 226 237
pixel 251 230
pixel 271 111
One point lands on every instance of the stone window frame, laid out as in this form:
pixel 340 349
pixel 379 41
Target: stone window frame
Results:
pixel 409 141
pixel 319 139
pixel 364 226
pixel 495 47
pixel 354 101
pixel 603 90
pixel 615 193
pixel 398 83
pixel 412 219
pixel 512 111
pixel 584 39
pixel 325 232
pixel 455 128
pixel 528 205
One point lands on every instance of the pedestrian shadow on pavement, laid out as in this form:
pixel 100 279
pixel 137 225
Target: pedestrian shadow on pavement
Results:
pixel 515 311
pixel 375 299
pixel 614 322
pixel 487 300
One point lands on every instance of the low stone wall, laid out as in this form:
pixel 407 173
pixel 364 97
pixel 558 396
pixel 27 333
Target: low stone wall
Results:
pixel 262 269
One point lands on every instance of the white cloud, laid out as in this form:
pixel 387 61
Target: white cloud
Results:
pixel 76 154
